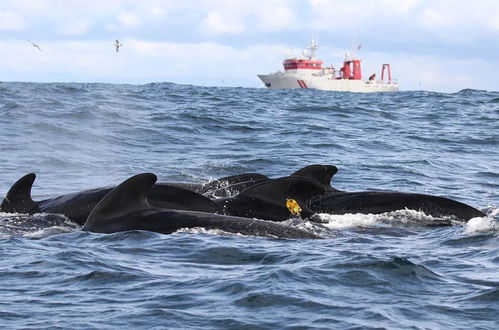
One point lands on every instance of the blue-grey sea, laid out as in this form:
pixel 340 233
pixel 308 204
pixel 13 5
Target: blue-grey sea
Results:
pixel 369 272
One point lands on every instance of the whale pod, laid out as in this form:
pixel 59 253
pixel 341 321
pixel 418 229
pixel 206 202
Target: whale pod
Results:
pixel 126 208
pixel 173 195
pixel 77 206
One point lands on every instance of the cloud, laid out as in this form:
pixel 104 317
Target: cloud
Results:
pixel 441 19
pixel 238 17
pixel 157 11
pixel 223 23
pixel 276 16
pixel 494 23
pixel 128 19
pixel 431 18
pixel 11 21
pixel 75 28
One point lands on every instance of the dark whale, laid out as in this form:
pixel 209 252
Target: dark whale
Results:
pixel 319 173
pixel 335 201
pixel 267 200
pixel 377 202
pixel 126 208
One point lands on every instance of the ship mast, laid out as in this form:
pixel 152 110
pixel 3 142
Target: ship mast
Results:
pixel 352 54
pixel 309 52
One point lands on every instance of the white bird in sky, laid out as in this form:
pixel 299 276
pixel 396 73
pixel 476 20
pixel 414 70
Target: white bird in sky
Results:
pixel 35 45
pixel 117 45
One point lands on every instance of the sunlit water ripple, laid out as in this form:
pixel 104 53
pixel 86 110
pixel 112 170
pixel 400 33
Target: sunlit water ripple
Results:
pixel 371 271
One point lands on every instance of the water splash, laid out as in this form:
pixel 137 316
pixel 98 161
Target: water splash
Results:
pixel 201 230
pixel 483 224
pixel 396 218
pixel 38 225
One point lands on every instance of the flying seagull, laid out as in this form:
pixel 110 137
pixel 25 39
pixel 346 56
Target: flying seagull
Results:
pixel 35 45
pixel 118 45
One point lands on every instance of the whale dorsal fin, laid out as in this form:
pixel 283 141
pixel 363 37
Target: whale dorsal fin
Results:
pixel 275 193
pixel 129 196
pixel 175 198
pixel 321 173
pixel 18 199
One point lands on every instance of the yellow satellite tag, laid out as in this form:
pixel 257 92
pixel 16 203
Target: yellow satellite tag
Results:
pixel 293 206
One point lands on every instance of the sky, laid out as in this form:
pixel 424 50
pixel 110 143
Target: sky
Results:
pixel 437 45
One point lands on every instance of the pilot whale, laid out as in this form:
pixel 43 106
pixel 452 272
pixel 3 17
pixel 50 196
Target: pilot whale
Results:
pixel 272 199
pixel 335 201
pixel 127 208
pixel 377 202
pixel 317 172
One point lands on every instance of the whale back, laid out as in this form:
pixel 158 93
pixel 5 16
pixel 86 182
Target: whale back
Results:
pixel 176 198
pixel 269 200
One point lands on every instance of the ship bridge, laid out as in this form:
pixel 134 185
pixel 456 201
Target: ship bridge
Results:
pixel 306 64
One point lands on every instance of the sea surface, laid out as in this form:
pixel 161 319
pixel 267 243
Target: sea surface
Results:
pixel 385 271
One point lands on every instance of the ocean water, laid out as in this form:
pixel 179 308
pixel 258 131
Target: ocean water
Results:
pixel 386 271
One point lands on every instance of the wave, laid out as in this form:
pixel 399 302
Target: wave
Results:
pixel 396 218
pixel 471 91
pixel 36 226
pixel 485 224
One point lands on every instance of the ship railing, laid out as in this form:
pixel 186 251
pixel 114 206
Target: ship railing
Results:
pixel 383 82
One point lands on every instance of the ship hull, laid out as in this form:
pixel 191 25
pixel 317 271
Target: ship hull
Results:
pixel 293 81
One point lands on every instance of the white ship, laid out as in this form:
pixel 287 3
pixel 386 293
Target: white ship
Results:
pixel 308 72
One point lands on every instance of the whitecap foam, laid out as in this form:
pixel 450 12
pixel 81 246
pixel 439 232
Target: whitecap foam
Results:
pixel 201 230
pixel 36 225
pixel 50 231
pixel 405 217
pixel 348 220
pixel 492 211
pixel 15 214
pixel 479 224
pixel 309 226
